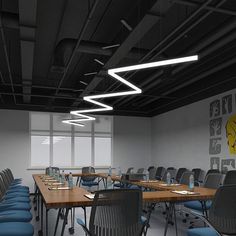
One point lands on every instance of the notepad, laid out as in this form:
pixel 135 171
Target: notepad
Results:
pixel 150 181
pixel 185 192
pixel 50 180
pixel 169 185
pixel 89 196
pixel 55 184
pixel 59 188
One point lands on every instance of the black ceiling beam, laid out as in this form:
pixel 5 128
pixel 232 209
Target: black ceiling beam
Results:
pixel 72 58
pixel 171 34
pixel 7 58
pixel 159 109
pixel 27 23
pixel 145 24
pixel 218 44
pixel 209 8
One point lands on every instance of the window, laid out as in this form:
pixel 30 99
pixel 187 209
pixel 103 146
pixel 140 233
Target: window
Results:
pixel 58 144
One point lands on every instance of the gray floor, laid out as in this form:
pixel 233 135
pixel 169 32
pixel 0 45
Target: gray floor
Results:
pixel 157 223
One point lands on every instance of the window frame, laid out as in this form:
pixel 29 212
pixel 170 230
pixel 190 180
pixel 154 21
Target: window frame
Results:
pixel 73 133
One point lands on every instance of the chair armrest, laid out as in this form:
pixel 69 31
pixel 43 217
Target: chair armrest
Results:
pixel 203 218
pixel 82 223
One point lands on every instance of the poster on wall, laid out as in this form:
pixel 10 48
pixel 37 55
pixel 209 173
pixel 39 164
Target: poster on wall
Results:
pixel 222 133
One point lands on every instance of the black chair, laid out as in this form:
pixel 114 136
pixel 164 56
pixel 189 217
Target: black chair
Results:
pixel 152 172
pixel 172 174
pixel 222 214
pixel 53 169
pixel 140 171
pixel 185 177
pixel 129 170
pixel 116 212
pixel 160 172
pixel 197 176
pixel 230 177
pixel 179 174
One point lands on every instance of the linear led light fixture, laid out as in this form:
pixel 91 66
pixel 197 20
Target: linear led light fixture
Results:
pixel 90 73
pixel 126 25
pixel 82 82
pixel 134 89
pixel 111 46
pixel 99 62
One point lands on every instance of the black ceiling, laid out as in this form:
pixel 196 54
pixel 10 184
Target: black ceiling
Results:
pixel 48 47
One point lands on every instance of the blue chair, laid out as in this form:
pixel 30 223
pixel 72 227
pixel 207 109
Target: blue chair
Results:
pixel 88 181
pixel 211 181
pixel 222 214
pixel 16 229
pixel 15 216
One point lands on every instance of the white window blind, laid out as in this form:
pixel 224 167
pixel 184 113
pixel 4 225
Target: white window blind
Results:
pixel 58 144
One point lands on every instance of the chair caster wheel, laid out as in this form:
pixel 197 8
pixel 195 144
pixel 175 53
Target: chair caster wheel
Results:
pixel 37 218
pixel 184 221
pixel 40 233
pixel 71 230
pixel 35 208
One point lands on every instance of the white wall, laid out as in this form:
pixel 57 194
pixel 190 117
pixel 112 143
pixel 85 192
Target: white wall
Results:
pixel 132 142
pixel 180 138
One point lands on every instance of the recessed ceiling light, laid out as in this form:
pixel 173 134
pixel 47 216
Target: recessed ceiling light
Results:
pixel 99 62
pixel 111 46
pixel 135 89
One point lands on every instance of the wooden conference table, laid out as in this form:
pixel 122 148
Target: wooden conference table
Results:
pixel 57 199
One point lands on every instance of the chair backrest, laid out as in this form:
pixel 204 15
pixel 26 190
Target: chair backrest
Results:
pixel 170 168
pixel 87 170
pixel 213 180
pixel 140 171
pixel 185 177
pixel 129 170
pixel 230 177
pixel 116 212
pixel 53 168
pixel 160 172
pixel 152 172
pixel 222 214
pixel 213 171
pixel 180 173
pixel 197 174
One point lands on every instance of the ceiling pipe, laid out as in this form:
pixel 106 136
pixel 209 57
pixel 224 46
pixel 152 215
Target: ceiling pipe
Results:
pixel 195 79
pixel 209 8
pixel 65 48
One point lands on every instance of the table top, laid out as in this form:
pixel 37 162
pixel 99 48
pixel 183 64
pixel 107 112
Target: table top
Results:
pixel 75 197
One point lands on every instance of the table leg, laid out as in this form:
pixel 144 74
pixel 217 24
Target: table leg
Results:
pixel 40 232
pixel 65 221
pixel 58 216
pixel 47 221
pixel 78 180
pixel 169 217
pixel 38 205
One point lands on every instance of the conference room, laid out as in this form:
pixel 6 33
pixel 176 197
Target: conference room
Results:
pixel 118 118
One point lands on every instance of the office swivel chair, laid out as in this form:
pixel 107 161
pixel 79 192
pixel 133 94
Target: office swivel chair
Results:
pixel 152 172
pixel 222 214
pixel 140 171
pixel 230 177
pixel 88 181
pixel 179 174
pixel 160 172
pixel 212 181
pixel 53 169
pixel 116 212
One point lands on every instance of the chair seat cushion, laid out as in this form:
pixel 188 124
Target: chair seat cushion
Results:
pixel 15 216
pixel 202 232
pixel 16 229
pixel 89 183
pixel 12 199
pixel 17 194
pixel 196 205
pixel 15 206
